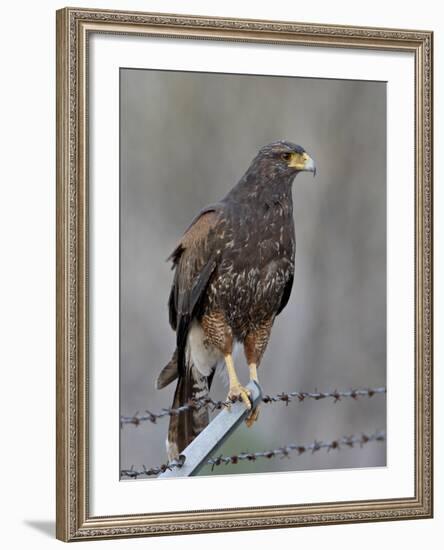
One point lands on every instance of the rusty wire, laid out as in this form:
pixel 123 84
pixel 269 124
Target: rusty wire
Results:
pixel 336 444
pixel 154 471
pixel 196 404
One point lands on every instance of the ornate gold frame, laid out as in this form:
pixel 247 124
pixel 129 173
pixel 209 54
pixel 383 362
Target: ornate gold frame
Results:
pixel 73 519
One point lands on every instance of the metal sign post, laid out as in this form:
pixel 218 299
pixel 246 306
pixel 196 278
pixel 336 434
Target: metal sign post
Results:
pixel 195 456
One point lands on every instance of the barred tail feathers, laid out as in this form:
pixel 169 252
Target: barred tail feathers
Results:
pixel 187 425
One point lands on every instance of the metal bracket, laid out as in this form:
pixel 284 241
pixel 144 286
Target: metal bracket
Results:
pixel 195 456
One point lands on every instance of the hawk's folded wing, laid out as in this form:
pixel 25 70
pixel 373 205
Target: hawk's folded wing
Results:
pixel 194 260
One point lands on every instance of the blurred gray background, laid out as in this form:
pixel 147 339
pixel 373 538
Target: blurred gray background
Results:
pixel 186 139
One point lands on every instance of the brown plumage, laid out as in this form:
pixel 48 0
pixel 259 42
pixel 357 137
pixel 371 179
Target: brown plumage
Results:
pixel 233 274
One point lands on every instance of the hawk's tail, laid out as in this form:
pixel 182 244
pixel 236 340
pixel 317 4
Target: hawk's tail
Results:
pixel 188 424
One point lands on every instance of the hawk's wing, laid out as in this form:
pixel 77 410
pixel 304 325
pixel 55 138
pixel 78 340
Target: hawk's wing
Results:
pixel 286 294
pixel 194 260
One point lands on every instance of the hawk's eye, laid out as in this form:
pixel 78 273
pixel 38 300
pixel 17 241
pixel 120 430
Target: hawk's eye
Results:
pixel 285 156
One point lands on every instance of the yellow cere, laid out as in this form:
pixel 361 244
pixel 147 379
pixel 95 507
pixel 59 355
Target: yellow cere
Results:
pixel 298 160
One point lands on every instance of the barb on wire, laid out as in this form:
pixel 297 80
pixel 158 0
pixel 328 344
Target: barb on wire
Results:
pixel 336 444
pixel 196 404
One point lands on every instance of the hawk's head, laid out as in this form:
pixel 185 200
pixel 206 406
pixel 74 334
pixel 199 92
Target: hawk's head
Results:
pixel 284 158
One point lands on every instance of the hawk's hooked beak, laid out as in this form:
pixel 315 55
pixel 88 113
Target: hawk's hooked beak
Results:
pixel 303 163
pixel 310 165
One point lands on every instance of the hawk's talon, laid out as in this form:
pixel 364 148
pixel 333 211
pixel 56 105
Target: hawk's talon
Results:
pixel 252 417
pixel 238 392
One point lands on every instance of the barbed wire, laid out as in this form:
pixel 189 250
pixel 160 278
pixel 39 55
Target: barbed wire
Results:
pixel 154 471
pixel 196 404
pixel 283 452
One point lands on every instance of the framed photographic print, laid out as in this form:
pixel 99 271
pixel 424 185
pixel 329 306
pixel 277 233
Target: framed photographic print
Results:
pixel 244 274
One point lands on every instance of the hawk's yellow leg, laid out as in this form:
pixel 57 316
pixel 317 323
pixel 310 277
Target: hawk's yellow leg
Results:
pixel 236 390
pixel 253 416
pixel 253 372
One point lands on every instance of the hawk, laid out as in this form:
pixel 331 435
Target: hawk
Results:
pixel 233 274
